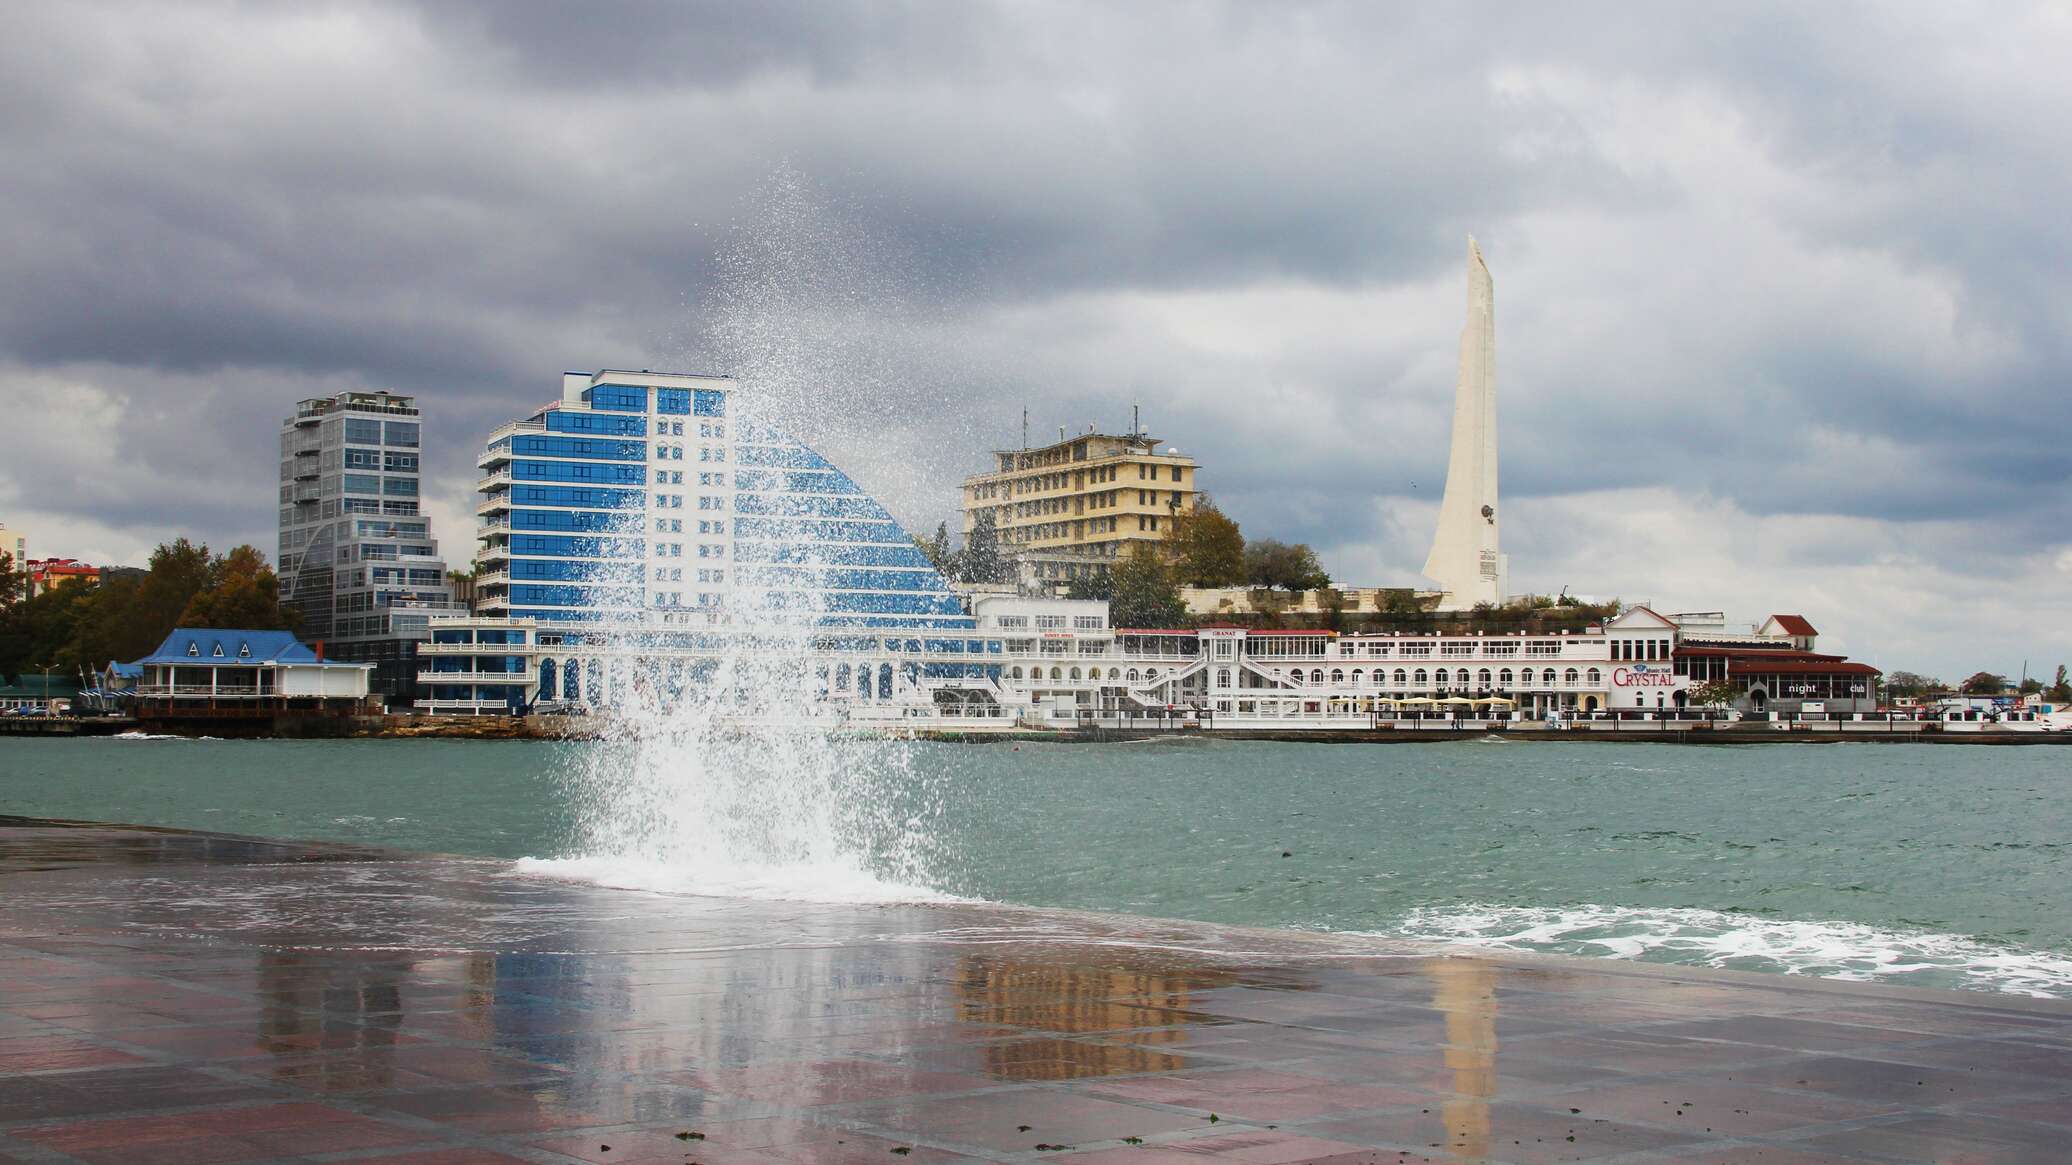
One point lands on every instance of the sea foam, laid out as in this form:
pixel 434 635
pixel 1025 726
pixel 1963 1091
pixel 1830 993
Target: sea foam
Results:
pixel 1711 938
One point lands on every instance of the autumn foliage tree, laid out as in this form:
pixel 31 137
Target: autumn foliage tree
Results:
pixel 1205 548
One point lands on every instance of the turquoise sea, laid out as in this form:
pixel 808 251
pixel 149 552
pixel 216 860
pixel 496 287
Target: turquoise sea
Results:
pixel 1918 864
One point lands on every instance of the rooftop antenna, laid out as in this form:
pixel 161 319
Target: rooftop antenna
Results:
pixel 1025 427
pixel 1136 423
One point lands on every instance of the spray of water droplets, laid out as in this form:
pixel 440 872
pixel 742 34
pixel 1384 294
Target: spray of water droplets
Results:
pixel 731 772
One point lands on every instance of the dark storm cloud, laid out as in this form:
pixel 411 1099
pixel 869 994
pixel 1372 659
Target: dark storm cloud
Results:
pixel 1803 260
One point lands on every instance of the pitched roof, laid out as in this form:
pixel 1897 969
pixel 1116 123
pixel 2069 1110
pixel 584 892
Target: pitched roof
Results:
pixel 1800 667
pixel 230 647
pixel 1793 624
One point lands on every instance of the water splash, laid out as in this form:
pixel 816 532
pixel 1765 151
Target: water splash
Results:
pixel 732 773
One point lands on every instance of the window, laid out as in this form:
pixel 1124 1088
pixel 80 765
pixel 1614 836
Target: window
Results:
pixel 193 649
pixel 1050 622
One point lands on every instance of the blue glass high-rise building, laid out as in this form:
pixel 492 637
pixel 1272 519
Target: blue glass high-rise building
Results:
pixel 643 509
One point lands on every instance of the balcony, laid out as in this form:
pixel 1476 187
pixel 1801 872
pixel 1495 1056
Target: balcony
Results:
pixel 492 578
pixel 501 477
pixel 494 505
pixel 515 427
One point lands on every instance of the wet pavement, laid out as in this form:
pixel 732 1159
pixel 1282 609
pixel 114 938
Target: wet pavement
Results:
pixel 184 999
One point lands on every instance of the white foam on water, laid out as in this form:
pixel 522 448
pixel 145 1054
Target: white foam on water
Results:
pixel 1711 938
pixel 837 882
pixel 158 736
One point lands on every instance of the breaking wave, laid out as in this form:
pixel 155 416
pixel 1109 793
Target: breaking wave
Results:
pixel 1711 938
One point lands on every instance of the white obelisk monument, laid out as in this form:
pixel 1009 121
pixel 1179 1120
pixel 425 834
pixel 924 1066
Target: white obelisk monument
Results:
pixel 1465 560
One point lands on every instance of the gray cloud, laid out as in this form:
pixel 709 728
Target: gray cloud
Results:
pixel 1793 264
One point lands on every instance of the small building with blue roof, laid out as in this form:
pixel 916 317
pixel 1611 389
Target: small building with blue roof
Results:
pixel 219 672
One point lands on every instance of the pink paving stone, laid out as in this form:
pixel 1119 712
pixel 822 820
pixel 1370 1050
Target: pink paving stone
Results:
pixel 600 1010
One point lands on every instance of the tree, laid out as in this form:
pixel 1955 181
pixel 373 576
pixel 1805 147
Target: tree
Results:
pixel 1911 684
pixel 2031 687
pixel 1984 683
pixel 242 592
pixel 12 581
pixel 981 561
pixel 1205 547
pixel 937 550
pixel 1269 563
pixel 2060 690
pixel 1099 584
pixel 1714 694
pixel 1143 594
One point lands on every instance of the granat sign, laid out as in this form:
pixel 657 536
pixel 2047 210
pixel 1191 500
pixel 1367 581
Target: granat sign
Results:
pixel 1641 675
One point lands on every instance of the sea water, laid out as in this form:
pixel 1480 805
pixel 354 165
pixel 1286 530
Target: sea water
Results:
pixel 1928 865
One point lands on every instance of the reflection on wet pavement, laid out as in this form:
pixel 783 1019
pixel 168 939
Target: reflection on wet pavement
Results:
pixel 171 997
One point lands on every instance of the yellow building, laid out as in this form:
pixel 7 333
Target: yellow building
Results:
pixel 1090 497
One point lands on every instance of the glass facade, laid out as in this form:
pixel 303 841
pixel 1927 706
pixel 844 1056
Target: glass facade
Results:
pixel 640 496
pixel 356 557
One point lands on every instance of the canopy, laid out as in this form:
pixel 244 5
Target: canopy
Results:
pixel 1494 701
pixel 1454 700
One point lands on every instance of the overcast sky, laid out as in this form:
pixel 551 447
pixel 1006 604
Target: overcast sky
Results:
pixel 1783 318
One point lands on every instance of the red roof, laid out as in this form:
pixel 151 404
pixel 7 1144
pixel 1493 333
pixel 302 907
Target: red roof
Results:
pixel 1755 653
pixel 1790 667
pixel 1794 624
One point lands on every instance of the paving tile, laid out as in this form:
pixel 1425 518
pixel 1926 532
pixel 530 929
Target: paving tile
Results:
pixel 1912 1085
pixel 1959 1140
pixel 1715 1106
pixel 553 1019
pixel 996 1121
pixel 1478 1130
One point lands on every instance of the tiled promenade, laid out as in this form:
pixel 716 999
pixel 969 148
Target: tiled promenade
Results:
pixel 173 999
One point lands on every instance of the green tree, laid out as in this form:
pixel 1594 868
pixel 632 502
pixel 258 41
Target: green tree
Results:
pixel 1270 563
pixel 981 561
pixel 1714 694
pixel 36 633
pixel 1099 584
pixel 2031 687
pixel 1912 684
pixel 12 581
pixel 937 550
pixel 1143 593
pixel 242 592
pixel 1984 683
pixel 1205 547
pixel 2060 690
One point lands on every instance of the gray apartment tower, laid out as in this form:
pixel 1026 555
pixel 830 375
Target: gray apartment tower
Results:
pixel 357 557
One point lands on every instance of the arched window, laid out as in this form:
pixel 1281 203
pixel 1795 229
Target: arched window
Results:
pixel 884 681
pixel 1460 679
pixel 546 679
pixel 1337 675
pixel 1014 673
pixel 1075 673
pixel 1596 677
pixel 1503 679
pixel 1316 675
pixel 1150 673
pixel 1133 677
pixel 1401 678
pixel 1222 677
pixel 571 681
pixel 1482 679
pixel 1057 673
pixel 1420 677
pixel 1358 675
pixel 1547 677
pixel 1571 677
pixel 1114 673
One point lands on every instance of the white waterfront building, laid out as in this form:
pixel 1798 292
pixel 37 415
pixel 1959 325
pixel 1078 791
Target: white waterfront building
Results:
pixel 1064 663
